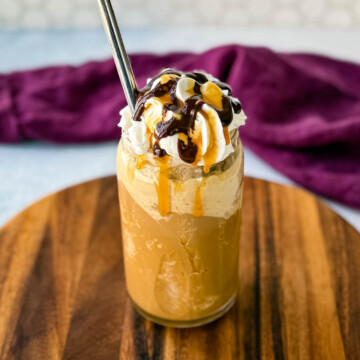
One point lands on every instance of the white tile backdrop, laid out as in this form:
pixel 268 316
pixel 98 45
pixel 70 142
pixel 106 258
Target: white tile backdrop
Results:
pixel 145 13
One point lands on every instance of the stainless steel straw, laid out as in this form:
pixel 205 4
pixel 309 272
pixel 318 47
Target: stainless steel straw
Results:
pixel 121 58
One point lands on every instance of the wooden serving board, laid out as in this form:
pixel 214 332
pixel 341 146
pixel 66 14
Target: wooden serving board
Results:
pixel 63 296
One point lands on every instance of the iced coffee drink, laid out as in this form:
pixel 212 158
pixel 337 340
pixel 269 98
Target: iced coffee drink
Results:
pixel 180 174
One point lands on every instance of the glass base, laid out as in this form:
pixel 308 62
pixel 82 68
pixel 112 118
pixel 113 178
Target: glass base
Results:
pixel 187 323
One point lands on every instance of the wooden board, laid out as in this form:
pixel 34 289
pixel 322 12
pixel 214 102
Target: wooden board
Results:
pixel 63 296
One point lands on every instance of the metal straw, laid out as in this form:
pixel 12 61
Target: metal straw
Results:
pixel 121 58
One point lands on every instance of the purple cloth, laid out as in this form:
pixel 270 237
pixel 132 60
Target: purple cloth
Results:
pixel 303 110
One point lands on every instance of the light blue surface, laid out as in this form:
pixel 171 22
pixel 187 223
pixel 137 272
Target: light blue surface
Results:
pixel 29 171
pixel 23 49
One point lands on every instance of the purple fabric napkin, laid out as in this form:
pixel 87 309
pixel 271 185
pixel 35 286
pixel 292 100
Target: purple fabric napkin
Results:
pixel 303 110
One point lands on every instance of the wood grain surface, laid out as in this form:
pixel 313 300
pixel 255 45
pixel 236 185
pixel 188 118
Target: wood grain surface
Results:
pixel 63 296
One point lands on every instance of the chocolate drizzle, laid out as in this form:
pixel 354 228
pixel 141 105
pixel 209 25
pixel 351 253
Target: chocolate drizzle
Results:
pixel 187 151
pixel 181 124
pixel 158 91
pixel 183 120
pixel 158 151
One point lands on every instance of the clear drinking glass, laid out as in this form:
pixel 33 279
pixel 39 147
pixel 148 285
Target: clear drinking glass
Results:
pixel 180 232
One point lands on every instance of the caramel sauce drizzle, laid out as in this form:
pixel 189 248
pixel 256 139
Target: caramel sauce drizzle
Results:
pixel 140 162
pixel 198 143
pixel 162 186
pixel 212 151
pixel 198 209
pixel 167 77
pixel 212 95
pixel 226 135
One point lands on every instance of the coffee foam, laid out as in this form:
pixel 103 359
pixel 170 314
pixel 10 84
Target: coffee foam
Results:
pixel 220 190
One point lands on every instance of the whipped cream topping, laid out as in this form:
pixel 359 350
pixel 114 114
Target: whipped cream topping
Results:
pixel 189 116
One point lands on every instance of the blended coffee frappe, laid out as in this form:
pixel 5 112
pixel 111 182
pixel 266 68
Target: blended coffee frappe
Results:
pixel 180 174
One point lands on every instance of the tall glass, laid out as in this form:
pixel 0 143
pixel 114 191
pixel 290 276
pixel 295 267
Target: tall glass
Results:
pixel 180 233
